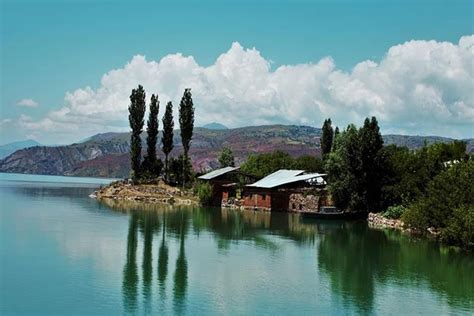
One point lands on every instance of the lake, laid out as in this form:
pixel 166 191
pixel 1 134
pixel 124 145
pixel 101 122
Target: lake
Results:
pixel 63 253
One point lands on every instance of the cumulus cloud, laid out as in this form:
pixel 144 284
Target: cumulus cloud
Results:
pixel 422 87
pixel 30 103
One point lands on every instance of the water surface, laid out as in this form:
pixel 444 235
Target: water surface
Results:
pixel 65 253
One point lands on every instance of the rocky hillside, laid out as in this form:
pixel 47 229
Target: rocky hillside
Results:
pixel 106 155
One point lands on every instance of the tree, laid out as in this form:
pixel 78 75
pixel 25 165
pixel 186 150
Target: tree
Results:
pixel 326 138
pixel 373 163
pixel 226 158
pixel 261 165
pixel 356 168
pixel 343 166
pixel 186 125
pixel 407 172
pixel 152 136
pixel 176 168
pixel 136 111
pixel 167 138
pixel 447 202
pixel 309 163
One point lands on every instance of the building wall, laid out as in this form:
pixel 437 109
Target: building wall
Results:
pixel 257 199
pixel 228 193
pixel 286 199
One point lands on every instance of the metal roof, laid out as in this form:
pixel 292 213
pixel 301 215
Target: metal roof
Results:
pixel 284 176
pixel 216 173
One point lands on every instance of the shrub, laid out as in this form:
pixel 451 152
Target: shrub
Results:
pixel 204 192
pixel 447 191
pixel 460 229
pixel 394 212
pixel 447 205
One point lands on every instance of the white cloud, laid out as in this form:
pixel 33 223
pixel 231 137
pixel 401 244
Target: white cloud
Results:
pixel 5 122
pixel 422 87
pixel 30 103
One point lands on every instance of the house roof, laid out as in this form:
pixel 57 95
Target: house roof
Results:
pixel 284 176
pixel 217 173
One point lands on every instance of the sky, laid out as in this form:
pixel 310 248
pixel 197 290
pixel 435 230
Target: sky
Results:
pixel 68 67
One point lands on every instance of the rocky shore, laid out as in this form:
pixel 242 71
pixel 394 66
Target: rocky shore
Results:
pixel 376 220
pixel 151 193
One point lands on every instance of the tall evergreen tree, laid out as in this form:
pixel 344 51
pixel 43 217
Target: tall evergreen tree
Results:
pixel 356 168
pixel 136 111
pixel 371 143
pixel 343 166
pixel 186 124
pixel 326 138
pixel 152 134
pixel 334 141
pixel 167 138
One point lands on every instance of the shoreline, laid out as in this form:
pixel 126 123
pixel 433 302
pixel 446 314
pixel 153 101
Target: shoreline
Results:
pixel 165 194
pixel 378 221
pixel 148 193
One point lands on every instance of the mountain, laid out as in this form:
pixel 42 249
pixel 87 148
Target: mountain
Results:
pixel 215 125
pixel 8 149
pixel 106 155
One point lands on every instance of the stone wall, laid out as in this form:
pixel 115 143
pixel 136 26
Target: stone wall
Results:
pixel 300 202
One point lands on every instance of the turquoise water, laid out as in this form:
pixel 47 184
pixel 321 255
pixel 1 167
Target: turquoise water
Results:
pixel 63 253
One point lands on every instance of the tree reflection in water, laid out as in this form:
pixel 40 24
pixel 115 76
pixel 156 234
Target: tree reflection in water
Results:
pixel 181 270
pixel 226 225
pixel 163 262
pixel 130 274
pixel 355 259
pixel 149 224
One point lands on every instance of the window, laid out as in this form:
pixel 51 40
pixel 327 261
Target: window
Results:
pixel 264 196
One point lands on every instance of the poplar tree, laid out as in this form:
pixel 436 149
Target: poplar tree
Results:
pixel 152 134
pixel 136 111
pixel 186 125
pixel 326 138
pixel 372 162
pixel 167 138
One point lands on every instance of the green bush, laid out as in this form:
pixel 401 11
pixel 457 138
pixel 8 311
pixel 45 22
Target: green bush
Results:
pixel 447 205
pixel 460 229
pixel 204 192
pixel 394 212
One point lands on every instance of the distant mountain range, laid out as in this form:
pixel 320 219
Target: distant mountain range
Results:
pixel 10 148
pixel 106 155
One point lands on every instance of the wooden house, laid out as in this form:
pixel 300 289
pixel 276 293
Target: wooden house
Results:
pixel 287 190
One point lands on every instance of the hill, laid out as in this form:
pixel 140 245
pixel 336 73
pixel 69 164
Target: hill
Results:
pixel 106 155
pixel 10 148
pixel 215 125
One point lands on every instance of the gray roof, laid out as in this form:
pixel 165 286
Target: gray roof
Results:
pixel 284 176
pixel 216 173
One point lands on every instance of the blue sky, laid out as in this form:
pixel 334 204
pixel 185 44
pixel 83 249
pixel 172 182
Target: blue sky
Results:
pixel 51 47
